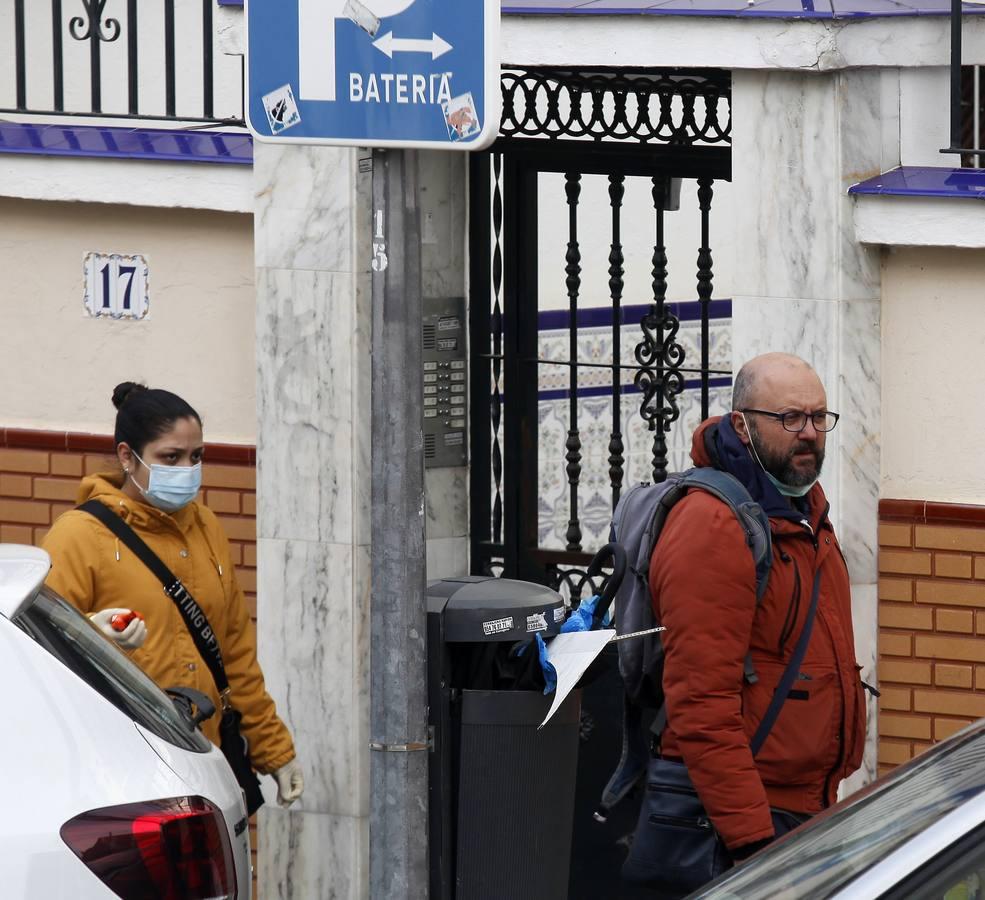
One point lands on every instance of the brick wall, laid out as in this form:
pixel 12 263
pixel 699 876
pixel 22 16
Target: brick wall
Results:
pixel 39 480
pixel 931 624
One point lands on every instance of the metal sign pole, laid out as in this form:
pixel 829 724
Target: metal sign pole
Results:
pixel 398 706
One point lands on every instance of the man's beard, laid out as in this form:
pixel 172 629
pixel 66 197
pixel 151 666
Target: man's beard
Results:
pixel 780 465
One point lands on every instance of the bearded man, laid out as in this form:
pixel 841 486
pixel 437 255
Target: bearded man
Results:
pixel 704 591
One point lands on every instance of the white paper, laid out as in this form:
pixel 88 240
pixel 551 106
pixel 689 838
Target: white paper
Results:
pixel 571 654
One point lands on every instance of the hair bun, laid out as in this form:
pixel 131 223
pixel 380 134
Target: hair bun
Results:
pixel 124 390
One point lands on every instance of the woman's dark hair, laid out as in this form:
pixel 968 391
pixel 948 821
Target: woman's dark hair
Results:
pixel 144 414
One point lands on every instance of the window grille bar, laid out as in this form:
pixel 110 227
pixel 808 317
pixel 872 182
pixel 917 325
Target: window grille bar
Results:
pixel 133 64
pixel 20 61
pixel 659 274
pixel 572 445
pixel 208 87
pixel 976 74
pixel 705 277
pixel 955 75
pixel 617 189
pixel 95 69
pixel 57 55
pixel 169 55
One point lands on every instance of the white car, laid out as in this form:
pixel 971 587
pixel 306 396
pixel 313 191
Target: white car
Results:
pixel 108 789
pixel 915 834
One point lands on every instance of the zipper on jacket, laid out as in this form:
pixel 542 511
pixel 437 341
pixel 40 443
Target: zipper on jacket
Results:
pixel 671 789
pixel 698 824
pixel 793 610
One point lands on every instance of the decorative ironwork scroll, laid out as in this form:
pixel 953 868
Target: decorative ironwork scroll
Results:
pixel 94 24
pixel 660 356
pixel 624 105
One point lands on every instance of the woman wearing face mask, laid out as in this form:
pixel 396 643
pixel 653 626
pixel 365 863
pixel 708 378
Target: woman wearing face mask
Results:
pixel 159 448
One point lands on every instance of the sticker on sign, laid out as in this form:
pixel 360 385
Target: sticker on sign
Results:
pixel 282 109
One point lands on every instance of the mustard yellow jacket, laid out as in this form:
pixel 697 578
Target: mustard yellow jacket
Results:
pixel 93 571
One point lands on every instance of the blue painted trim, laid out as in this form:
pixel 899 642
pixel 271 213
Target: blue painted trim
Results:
pixel 96 141
pixel 231 3
pixel 605 390
pixel 925 181
pixel 601 316
pixel 738 9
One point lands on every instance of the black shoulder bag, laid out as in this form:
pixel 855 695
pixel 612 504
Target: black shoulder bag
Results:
pixel 232 742
pixel 675 846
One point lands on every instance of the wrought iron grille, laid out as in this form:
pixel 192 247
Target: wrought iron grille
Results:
pixel 156 48
pixel 972 116
pixel 638 105
pixel 637 131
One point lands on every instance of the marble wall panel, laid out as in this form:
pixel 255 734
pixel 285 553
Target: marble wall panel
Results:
pixel 859 107
pixel 312 601
pixel 306 330
pixel 784 143
pixel 304 856
pixel 447 557
pixel 446 498
pixel 443 223
pixel 864 608
pixel 807 287
pixel 362 379
pixel 304 214
pixel 859 432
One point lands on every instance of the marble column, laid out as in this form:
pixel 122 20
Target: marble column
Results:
pixel 803 285
pixel 313 519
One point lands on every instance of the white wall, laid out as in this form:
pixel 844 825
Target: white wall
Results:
pixel 58 366
pixel 933 343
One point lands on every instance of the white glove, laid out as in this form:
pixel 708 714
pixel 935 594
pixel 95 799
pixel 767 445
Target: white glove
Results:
pixel 290 783
pixel 132 637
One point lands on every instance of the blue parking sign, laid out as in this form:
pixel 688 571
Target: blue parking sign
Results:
pixel 374 73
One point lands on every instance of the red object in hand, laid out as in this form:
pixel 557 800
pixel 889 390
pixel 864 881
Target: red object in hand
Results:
pixel 121 620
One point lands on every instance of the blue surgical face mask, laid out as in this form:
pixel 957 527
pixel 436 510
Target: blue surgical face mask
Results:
pixel 783 488
pixel 171 487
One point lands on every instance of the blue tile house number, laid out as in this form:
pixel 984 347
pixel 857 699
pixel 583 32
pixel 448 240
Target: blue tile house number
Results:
pixel 116 286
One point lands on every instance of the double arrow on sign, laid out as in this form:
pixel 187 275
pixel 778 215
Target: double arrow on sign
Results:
pixel 389 45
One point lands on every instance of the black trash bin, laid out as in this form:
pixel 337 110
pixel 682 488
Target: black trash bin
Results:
pixel 501 791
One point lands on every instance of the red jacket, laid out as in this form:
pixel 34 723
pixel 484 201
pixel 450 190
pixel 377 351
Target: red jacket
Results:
pixel 703 587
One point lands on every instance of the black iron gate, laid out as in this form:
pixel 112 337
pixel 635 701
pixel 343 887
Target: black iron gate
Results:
pixel 636 130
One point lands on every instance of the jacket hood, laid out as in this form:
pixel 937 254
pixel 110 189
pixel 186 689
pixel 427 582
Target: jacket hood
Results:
pixel 107 487
pixel 716 443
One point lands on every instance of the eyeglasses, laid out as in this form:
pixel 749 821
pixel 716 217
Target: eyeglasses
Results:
pixel 795 420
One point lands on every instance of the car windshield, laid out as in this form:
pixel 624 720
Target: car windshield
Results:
pixel 837 846
pixel 73 640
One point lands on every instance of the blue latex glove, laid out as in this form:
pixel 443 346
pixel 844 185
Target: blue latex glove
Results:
pixel 581 618
pixel 550 673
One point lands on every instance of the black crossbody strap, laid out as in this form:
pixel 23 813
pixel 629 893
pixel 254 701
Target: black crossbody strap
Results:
pixel 198 625
pixel 789 674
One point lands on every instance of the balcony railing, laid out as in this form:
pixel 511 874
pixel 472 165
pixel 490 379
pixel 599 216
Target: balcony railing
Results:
pixel 132 59
pixel 973 115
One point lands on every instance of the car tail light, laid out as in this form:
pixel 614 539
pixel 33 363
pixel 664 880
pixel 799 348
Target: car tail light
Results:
pixel 175 849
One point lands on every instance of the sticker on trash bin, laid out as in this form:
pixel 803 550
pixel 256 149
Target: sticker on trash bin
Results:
pixel 559 615
pixel 498 626
pixel 536 622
